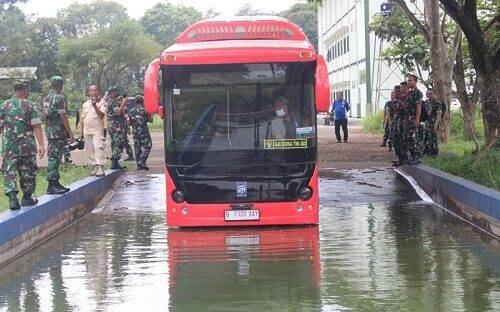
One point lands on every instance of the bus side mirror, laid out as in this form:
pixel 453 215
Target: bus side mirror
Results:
pixel 151 95
pixel 322 87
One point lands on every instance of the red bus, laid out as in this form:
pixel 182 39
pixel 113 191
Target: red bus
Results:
pixel 239 99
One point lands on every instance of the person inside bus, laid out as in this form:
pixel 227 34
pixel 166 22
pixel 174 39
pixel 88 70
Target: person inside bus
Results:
pixel 285 124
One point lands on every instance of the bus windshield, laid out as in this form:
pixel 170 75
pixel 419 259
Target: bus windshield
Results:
pixel 229 107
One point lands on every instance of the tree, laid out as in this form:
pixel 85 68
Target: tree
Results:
pixel 79 20
pixel 247 10
pixel 484 47
pixel 44 34
pixel 15 44
pixel 408 48
pixel 114 55
pixel 304 15
pixel 5 4
pixel 166 21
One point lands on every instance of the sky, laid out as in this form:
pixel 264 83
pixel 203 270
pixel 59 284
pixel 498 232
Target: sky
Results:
pixel 136 8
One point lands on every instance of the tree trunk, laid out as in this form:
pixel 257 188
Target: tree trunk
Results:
pixel 441 68
pixel 467 104
pixel 489 84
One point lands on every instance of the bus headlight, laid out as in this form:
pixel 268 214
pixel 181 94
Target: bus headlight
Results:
pixel 305 193
pixel 178 196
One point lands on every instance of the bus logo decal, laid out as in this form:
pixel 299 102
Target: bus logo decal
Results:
pixel 241 189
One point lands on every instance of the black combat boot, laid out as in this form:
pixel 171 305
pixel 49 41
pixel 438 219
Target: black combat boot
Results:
pixel 384 143
pixel 142 167
pixel 62 186
pixel 116 165
pixel 390 146
pixel 14 202
pixel 54 188
pixel 27 200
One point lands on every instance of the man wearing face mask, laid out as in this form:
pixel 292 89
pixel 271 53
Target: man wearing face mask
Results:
pixel 285 124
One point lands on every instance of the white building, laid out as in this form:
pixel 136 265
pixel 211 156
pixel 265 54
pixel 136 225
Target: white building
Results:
pixel 342 37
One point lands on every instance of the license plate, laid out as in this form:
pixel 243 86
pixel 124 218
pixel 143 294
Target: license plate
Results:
pixel 242 240
pixel 241 215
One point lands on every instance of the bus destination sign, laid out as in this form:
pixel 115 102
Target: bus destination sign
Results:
pixel 285 144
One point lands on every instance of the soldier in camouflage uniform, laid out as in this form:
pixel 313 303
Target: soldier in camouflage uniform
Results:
pixel 399 118
pixel 434 109
pixel 19 124
pixel 116 125
pixel 142 139
pixel 58 132
pixel 388 115
pixel 413 106
pixel 128 148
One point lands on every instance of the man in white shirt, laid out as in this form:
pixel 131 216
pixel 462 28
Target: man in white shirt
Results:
pixel 92 128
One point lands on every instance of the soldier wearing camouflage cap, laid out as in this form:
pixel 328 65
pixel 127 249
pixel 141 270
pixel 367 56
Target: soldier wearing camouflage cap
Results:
pixel 20 123
pixel 139 119
pixel 116 125
pixel 58 132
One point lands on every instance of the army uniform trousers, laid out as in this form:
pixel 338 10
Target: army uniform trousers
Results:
pixel 118 141
pixel 26 167
pixel 142 146
pixel 56 151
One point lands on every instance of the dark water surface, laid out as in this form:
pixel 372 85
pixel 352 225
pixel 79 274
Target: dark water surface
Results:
pixel 378 248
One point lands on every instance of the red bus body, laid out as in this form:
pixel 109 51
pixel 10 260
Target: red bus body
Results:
pixel 235 41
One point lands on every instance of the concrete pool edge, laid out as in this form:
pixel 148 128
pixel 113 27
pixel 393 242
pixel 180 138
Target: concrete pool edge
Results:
pixel 475 203
pixel 23 229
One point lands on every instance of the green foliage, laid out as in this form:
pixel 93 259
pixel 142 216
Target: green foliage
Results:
pixel 374 123
pixel 247 10
pixel 408 47
pixel 166 21
pixel 157 125
pixel 69 174
pixel 304 15
pixel 79 20
pixel 113 55
pixel 44 35
pixel 484 171
pixel 456 156
pixel 15 44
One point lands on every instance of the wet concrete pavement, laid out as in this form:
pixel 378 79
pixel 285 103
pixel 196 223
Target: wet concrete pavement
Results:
pixel 378 248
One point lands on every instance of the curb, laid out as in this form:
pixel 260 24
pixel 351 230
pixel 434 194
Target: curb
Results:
pixel 23 229
pixel 475 203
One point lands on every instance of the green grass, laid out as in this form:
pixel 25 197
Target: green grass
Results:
pixel 157 125
pixel 485 171
pixel 456 156
pixel 374 123
pixel 69 174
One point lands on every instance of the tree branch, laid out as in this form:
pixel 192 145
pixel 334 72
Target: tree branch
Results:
pixel 457 40
pixel 414 20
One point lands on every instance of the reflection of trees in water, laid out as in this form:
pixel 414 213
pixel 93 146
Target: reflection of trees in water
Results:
pixel 23 290
pixel 397 257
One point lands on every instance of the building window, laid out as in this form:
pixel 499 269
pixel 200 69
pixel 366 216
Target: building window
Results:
pixel 345 45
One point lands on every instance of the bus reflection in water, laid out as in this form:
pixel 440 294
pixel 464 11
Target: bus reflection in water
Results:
pixel 272 267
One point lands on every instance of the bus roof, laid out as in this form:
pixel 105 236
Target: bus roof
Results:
pixel 240 39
